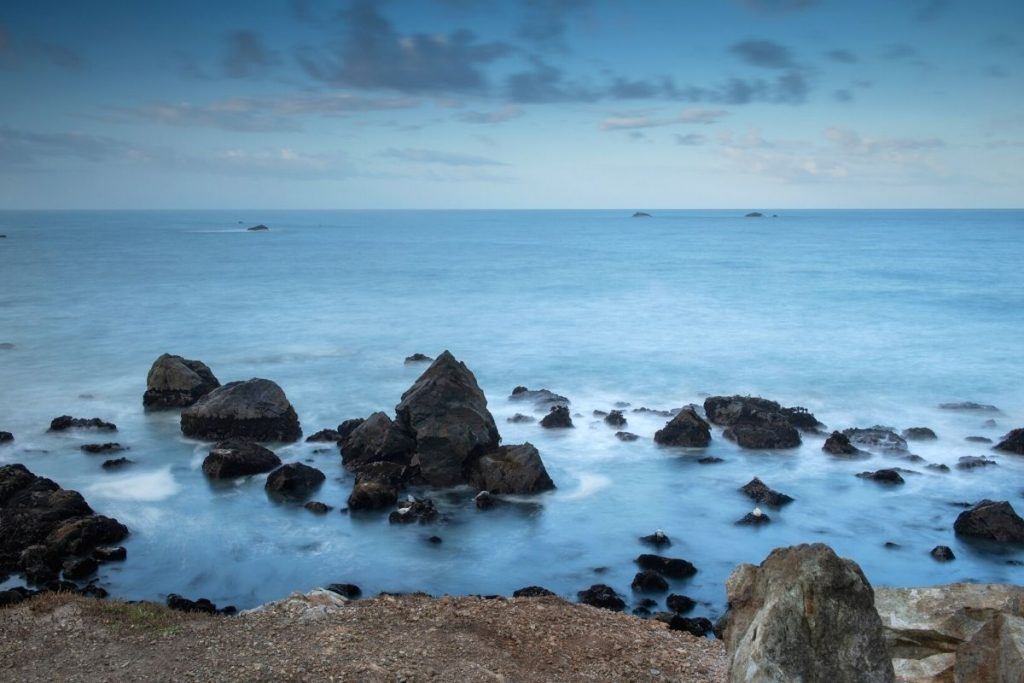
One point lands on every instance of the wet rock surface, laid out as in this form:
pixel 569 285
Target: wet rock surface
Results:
pixel 687 429
pixel 256 409
pixel 238 457
pixel 557 418
pixel 759 492
pixel 294 480
pixel 176 382
pixel 65 422
pixel 886 476
pixel 1012 442
pixel 991 520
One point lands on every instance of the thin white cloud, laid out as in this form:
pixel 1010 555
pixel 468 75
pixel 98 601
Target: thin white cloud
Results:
pixel 692 115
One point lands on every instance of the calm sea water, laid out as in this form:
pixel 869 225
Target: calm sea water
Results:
pixel 864 317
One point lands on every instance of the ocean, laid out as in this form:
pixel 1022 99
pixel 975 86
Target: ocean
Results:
pixel 863 317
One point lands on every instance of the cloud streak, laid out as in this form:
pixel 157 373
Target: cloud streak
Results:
pixel 418 155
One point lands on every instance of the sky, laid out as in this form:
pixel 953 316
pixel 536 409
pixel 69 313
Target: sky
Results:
pixel 309 104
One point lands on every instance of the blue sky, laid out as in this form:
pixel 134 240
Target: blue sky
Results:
pixel 527 104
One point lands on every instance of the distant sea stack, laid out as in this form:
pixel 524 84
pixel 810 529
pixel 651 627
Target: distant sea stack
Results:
pixel 754 214
pixel 641 214
pixel 259 228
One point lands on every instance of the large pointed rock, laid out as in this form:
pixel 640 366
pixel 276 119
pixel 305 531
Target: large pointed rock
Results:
pixel 804 614
pixel 175 382
pixel 445 412
pixel 511 469
pixel 256 409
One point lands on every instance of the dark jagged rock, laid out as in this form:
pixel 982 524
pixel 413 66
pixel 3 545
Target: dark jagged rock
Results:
pixel 1012 442
pixel 324 435
pixel 294 480
pixel 758 491
pixel 484 500
pixel 970 406
pixel 79 568
pixel 94 448
pixel 542 398
pixel 993 520
pixel 511 469
pixel 316 507
pixel 176 382
pixel 445 412
pixel 709 460
pixel 116 463
pixel 238 458
pixel 695 626
pixel 919 434
pixel 658 539
pixel 420 510
pixel 376 439
pixel 532 592
pixel 347 590
pixel 257 409
pixel 626 436
pixel 615 419
pixel 600 595
pixel 680 604
pixel 42 525
pixel 418 358
pixel 376 486
pixel 6 437
pixel 558 418
pixel 729 411
pixel 64 422
pixel 258 228
pixel 519 418
pixel 649 581
pixel 970 462
pixel 942 553
pixel 839 444
pixel 886 476
pixel 202 605
pixel 687 429
pixel 108 553
pixel 348 426
pixel 977 439
pixel 804 614
pixel 877 438
pixel 674 568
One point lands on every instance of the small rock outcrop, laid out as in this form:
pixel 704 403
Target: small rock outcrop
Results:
pixel 418 358
pixel 1012 442
pixel 541 398
pixel 687 429
pixel 671 567
pixel 804 614
pixel 626 437
pixel 839 444
pixel 6 437
pixel 970 406
pixel 378 438
pixel 887 476
pixel 294 480
pixel 876 438
pixel 759 492
pixel 376 486
pixel 324 436
pixel 919 434
pixel 641 214
pixel 519 418
pixel 176 382
pixel 991 520
pixel 658 539
pixel 239 458
pixel 258 228
pixel 758 423
pixel 97 448
pixel 972 462
pixel 615 419
pixel 419 510
pixel 533 592
pixel 942 553
pixel 558 418
pixel 511 469
pixel 257 409
pixel 649 581
pixel 754 518
pixel 680 604
pixel 65 422
pixel 600 595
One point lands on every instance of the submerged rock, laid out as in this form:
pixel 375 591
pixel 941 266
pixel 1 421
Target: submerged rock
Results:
pixel 64 422
pixel 687 429
pixel 658 539
pixel 970 462
pixel 542 398
pixel 765 436
pixel 877 438
pixel 414 510
pixel 316 507
pixel 992 520
pixel 257 409
pixel 238 458
pixel 519 418
pixel 804 614
pixel 258 228
pixel 6 437
pixel 626 436
pixel 977 439
pixel 641 214
pixel 1012 442
pixel 671 567
pixel 710 460
pixel 176 382
pixel 600 595
pixel 969 406
pixel 919 434
pixel 511 469
pixel 558 418
pixel 294 480
pixel 116 463
pixel 649 581
pixel 94 448
pixel 754 214
pixel 886 476
pixel 759 492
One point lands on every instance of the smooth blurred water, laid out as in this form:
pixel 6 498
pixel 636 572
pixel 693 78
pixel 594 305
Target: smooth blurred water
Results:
pixel 862 316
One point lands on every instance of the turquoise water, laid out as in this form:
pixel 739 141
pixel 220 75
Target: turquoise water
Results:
pixel 864 317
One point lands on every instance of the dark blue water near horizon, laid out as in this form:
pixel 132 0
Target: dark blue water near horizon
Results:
pixel 864 317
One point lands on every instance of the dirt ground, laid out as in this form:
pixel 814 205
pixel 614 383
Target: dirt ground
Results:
pixel 320 637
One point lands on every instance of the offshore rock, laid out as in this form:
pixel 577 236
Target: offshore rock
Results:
pixel 759 492
pixel 919 434
pixel 294 480
pixel 887 476
pixel 376 486
pixel 731 410
pixel 877 438
pixel 376 439
pixel 649 581
pixel 257 409
pixel 1012 442
pixel 992 520
pixel 238 458
pixel 839 444
pixel 558 418
pixel 671 567
pixel 541 398
pixel 65 422
pixel 687 429
pixel 804 614
pixel 600 595
pixel 176 382
pixel 511 469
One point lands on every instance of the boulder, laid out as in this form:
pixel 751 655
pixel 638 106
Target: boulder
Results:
pixel 294 480
pixel 680 604
pixel 992 520
pixel 1012 442
pixel 877 438
pixel 519 418
pixel 65 422
pixel 929 631
pixel 376 486
pixel 687 429
pixel 420 510
pixel 532 592
pixel 886 476
pixel 649 581
pixel 116 463
pixel 96 448
pixel 839 444
pixel 600 595
pixel 771 434
pixel 541 398
pixel 695 626
pixel 658 539
pixel 615 419
pixel 257 409
pixel 511 469
pixel 446 414
pixel 942 553
pixel 316 507
pixel 804 614
pixel 484 500
pixel 43 525
pixel 324 435
pixel 176 382
pixel 759 492
pixel 376 439
pixel 238 458
pixel 626 436
pixel 919 434
pixel 346 590
pixel 732 410
pixel 970 462
pixel 671 567
pixel 418 358
pixel 558 418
